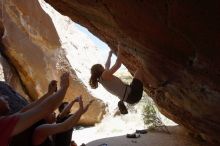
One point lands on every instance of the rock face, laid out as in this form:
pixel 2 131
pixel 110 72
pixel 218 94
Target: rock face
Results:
pixel 177 42
pixel 9 75
pixel 16 102
pixel 32 45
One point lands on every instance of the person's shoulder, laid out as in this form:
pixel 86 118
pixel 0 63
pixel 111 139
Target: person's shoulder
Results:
pixel 105 75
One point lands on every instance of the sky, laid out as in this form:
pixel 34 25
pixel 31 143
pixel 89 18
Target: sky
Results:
pixel 100 44
pixel 104 48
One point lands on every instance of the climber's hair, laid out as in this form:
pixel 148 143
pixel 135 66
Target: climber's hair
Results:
pixel 96 72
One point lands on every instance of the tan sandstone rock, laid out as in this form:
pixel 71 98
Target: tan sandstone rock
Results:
pixel 33 46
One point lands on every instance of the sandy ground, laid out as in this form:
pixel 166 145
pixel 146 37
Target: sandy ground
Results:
pixel 177 137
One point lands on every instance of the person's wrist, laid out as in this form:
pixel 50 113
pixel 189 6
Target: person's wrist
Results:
pixel 49 92
pixel 80 111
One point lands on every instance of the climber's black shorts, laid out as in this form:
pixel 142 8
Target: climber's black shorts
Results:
pixel 136 92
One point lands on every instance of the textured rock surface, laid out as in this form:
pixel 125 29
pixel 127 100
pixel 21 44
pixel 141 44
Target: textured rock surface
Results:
pixel 178 43
pixel 9 75
pixel 32 45
pixel 16 102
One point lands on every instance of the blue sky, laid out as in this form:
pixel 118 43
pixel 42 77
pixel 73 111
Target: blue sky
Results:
pixel 104 48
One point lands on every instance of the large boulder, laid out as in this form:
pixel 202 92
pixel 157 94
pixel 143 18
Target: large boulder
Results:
pixel 177 42
pixel 31 43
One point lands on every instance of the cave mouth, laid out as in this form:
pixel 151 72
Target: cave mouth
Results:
pixel 102 47
pixel 82 47
pixel 167 55
pixel 76 39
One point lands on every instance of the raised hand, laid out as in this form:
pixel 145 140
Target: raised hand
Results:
pixel 75 100
pixel 52 86
pixel 88 105
pixel 79 99
pixel 110 52
pixel 64 80
pixel 83 109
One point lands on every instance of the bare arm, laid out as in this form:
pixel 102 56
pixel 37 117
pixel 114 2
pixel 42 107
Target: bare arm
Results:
pixel 51 89
pixel 108 61
pixel 43 131
pixel 117 64
pixel 38 112
pixel 67 109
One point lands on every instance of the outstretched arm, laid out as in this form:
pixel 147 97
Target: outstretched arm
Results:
pixel 108 61
pixel 117 64
pixel 51 89
pixel 45 130
pixel 38 112
pixel 67 109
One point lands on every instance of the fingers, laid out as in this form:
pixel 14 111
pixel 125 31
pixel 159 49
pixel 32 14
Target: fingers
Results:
pixel 64 80
pixel 64 76
pixel 53 82
pixel 75 100
pixel 87 106
pixel 80 102
pixel 79 98
pixel 111 52
pixel 52 86
pixel 91 101
pixel 83 109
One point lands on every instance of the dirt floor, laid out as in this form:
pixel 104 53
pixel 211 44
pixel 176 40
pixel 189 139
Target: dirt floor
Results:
pixel 177 137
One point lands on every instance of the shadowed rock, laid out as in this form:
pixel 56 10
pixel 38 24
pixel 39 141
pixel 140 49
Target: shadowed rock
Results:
pixel 177 42
pixel 16 102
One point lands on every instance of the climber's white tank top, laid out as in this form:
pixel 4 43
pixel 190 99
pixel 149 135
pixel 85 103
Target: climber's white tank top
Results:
pixel 116 87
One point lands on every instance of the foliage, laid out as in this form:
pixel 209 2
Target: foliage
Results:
pixel 150 114
pixel 151 117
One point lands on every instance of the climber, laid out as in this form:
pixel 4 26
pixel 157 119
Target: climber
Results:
pixel 105 76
